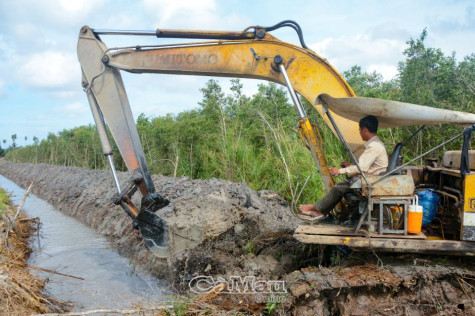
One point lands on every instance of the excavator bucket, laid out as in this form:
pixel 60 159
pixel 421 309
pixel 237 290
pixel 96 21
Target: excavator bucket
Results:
pixel 154 232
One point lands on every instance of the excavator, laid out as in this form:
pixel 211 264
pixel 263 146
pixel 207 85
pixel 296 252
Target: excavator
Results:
pixel 255 53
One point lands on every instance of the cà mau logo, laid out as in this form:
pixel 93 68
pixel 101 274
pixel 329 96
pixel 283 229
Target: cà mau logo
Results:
pixel 236 285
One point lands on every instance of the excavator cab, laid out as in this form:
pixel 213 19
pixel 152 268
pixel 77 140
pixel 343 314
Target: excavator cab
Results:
pixel 356 200
pixel 395 190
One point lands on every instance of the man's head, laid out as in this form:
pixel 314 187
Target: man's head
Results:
pixel 368 127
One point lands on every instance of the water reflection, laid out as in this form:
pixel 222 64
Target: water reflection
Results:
pixel 68 246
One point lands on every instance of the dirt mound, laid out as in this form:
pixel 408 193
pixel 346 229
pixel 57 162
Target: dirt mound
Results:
pixel 223 230
pixel 371 290
pixel 211 221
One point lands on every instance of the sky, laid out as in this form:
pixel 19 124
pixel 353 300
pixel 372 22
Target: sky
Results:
pixel 40 77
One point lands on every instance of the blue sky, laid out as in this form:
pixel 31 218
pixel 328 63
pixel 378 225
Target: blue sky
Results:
pixel 40 77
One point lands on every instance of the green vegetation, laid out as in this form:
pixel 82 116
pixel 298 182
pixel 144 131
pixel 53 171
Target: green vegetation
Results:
pixel 180 307
pixel 253 138
pixel 5 202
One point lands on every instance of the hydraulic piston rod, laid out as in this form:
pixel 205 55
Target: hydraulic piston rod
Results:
pixel 292 93
pixel 308 131
pixel 167 33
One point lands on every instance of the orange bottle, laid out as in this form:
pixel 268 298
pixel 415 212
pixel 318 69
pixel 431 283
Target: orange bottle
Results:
pixel 414 217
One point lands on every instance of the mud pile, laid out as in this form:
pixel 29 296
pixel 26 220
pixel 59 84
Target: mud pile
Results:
pixel 399 288
pixel 224 229
pixel 211 222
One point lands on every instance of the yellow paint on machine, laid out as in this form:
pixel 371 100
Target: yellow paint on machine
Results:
pixel 312 138
pixel 347 241
pixel 469 193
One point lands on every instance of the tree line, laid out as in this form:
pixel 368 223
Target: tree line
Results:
pixel 253 138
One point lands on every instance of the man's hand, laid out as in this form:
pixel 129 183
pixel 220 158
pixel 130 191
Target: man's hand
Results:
pixel 334 171
pixel 344 164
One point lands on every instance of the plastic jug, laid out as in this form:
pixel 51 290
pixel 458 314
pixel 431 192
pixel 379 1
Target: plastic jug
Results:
pixel 414 217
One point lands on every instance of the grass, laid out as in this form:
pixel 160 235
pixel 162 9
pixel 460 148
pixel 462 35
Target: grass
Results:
pixel 266 153
pixel 5 202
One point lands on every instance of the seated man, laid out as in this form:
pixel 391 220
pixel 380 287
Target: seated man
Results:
pixel 372 161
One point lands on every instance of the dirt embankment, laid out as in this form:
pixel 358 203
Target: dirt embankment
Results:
pixel 225 229
pixel 212 222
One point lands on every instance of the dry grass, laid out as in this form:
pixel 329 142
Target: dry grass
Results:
pixel 21 293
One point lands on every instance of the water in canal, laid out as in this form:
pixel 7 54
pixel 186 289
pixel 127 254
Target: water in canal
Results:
pixel 68 246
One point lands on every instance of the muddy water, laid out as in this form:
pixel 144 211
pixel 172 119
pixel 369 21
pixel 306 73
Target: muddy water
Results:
pixel 67 246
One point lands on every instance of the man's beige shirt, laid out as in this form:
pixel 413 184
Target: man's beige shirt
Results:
pixel 372 161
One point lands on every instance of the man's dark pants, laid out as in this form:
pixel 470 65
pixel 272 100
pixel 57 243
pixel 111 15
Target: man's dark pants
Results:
pixel 333 197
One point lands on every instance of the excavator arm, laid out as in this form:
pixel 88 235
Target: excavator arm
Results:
pixel 252 53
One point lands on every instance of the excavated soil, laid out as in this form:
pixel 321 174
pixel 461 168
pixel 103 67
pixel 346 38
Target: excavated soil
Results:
pixel 223 229
pixel 211 222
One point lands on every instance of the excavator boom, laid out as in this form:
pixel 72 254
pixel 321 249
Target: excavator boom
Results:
pixel 252 53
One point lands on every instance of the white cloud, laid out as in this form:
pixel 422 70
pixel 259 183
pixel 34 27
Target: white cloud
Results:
pixel 72 110
pixel 38 39
pixel 76 108
pixel 371 52
pixel 387 71
pixel 50 69
pixel 2 89
pixel 123 20
pixel 69 94
pixel 78 6
pixel 193 14
pixel 175 13
pixel 150 110
pixel 24 29
pixel 7 49
pixel 51 11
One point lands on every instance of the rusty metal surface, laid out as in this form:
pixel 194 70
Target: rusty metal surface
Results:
pixel 170 33
pixel 448 247
pixel 468 233
pixel 452 159
pixel 398 185
pixel 105 83
pixel 395 114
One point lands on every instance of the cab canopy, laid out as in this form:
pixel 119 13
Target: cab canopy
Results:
pixel 394 113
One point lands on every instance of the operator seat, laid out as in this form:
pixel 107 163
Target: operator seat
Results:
pixel 392 164
pixel 394 159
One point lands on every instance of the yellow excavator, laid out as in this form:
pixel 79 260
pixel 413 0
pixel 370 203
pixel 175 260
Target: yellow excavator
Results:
pixel 255 53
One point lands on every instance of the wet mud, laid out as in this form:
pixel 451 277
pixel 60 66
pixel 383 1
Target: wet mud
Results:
pixel 211 222
pixel 222 229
